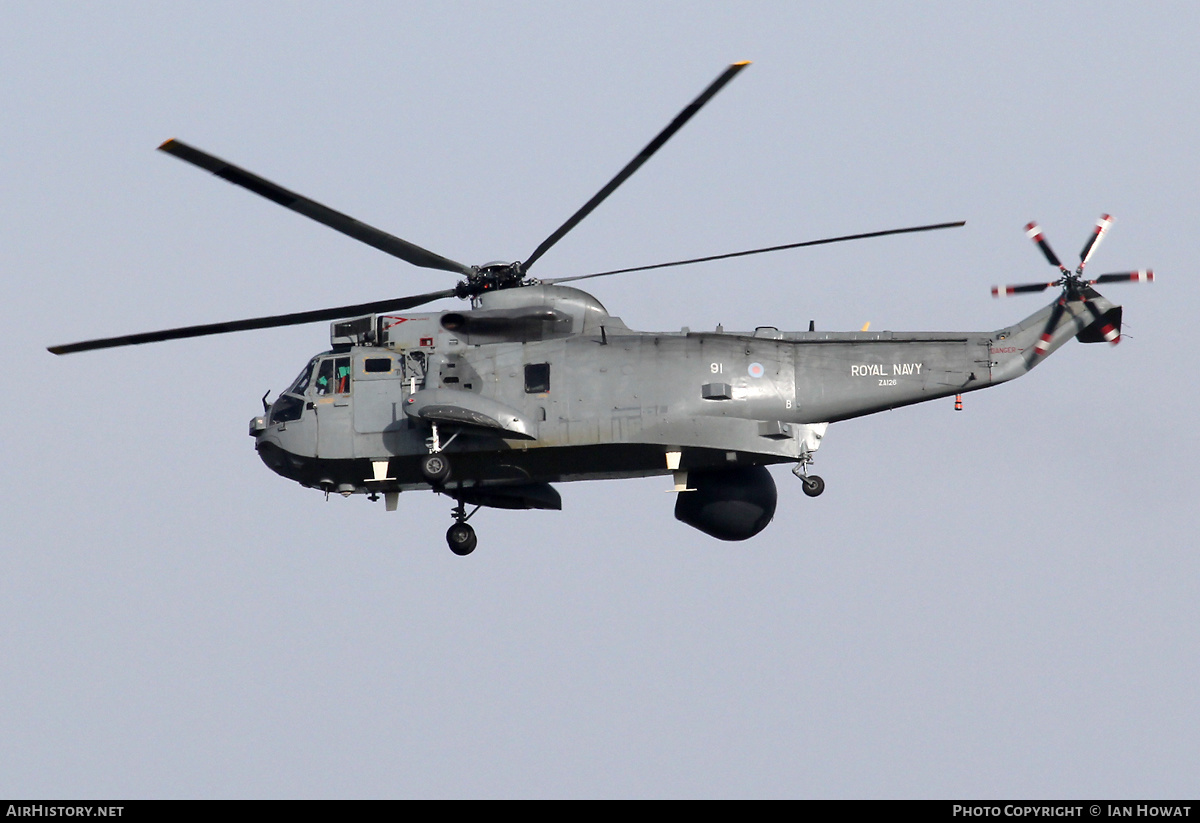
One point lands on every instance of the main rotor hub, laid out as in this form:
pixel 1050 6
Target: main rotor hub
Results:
pixel 490 277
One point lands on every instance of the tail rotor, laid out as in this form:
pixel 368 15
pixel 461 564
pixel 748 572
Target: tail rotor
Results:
pixel 1074 286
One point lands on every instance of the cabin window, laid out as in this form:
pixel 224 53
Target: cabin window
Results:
pixel 537 378
pixel 377 365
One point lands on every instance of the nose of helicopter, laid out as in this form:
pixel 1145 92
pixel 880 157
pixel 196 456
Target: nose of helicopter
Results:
pixel 268 451
pixel 258 425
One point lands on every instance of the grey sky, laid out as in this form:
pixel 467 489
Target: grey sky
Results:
pixel 1001 602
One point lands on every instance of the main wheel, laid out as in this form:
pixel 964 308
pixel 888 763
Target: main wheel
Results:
pixel 461 539
pixel 813 485
pixel 436 468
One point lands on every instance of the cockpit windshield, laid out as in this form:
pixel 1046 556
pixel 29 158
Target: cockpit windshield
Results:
pixel 300 384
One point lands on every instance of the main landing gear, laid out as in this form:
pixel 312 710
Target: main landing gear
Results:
pixel 436 468
pixel 813 485
pixel 461 537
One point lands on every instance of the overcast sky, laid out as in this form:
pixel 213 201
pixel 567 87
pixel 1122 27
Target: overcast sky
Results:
pixel 998 602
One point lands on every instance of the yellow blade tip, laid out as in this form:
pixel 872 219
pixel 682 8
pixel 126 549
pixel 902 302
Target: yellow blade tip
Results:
pixel 866 326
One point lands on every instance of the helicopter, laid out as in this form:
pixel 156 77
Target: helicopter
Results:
pixel 536 383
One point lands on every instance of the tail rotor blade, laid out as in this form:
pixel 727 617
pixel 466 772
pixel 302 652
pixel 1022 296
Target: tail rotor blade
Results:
pixel 1024 288
pixel 1035 234
pixel 1139 276
pixel 1090 246
pixel 1043 344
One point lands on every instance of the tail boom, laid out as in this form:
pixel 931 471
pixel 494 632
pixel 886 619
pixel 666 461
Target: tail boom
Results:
pixel 1087 316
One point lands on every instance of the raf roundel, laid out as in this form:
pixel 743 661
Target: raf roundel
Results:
pixel 756 370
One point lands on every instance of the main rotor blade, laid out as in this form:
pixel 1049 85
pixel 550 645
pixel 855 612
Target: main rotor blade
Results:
pixel 909 230
pixel 645 154
pixel 310 208
pixel 274 321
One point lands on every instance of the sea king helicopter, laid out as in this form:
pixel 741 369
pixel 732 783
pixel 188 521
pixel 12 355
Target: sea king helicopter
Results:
pixel 536 383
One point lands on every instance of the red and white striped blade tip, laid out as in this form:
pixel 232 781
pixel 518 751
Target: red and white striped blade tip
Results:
pixel 1090 247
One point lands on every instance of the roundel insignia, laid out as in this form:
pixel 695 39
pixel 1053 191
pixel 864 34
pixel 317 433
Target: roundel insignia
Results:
pixel 756 370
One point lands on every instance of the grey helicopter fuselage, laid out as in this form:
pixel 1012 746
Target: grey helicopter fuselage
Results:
pixel 539 384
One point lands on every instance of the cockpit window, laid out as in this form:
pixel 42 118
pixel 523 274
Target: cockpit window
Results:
pixel 333 376
pixel 286 408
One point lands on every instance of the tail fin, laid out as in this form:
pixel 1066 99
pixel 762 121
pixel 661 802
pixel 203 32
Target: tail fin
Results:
pixel 1106 322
